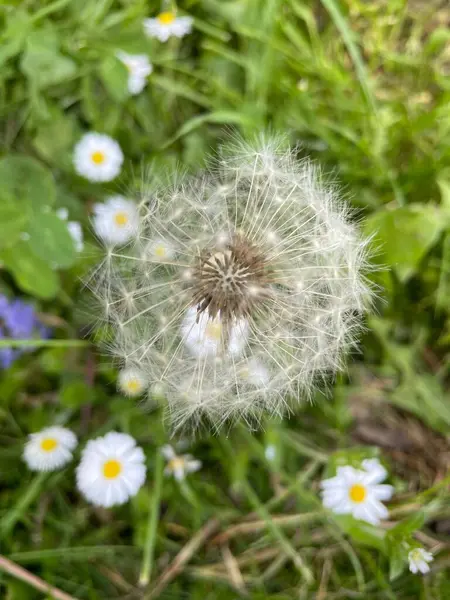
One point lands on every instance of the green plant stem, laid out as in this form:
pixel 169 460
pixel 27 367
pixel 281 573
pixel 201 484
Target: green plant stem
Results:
pixel 10 519
pixel 6 343
pixel 278 534
pixel 150 537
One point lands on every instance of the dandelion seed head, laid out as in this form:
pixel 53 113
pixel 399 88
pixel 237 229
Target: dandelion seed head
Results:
pixel 240 289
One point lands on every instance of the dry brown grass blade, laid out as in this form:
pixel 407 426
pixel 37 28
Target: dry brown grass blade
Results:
pixel 233 570
pixel 36 582
pixel 182 558
pixel 257 526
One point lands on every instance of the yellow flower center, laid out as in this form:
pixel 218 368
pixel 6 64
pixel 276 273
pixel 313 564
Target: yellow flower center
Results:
pixel 160 251
pixel 213 330
pixel 166 18
pixel 98 157
pixel 176 463
pixel 357 493
pixel 49 444
pixel 133 386
pixel 111 469
pixel 121 219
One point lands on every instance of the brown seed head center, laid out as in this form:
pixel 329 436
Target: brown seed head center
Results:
pixel 230 280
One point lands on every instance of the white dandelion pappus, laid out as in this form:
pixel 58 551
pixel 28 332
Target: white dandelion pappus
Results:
pixel 132 381
pixel 166 25
pixel 139 68
pixel 256 297
pixel 112 470
pixel 98 157
pixel 418 559
pixel 116 220
pixel 49 449
pixel 179 465
pixel 358 492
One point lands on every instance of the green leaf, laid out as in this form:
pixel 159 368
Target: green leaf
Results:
pixel 26 181
pixel 32 274
pixel 50 240
pixel 75 393
pixel 405 235
pixel 397 561
pixel 114 76
pixel 362 533
pixel 13 220
pixel 42 62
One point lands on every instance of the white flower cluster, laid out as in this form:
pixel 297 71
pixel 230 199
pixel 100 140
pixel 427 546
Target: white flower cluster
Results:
pixel 112 468
pixel 237 290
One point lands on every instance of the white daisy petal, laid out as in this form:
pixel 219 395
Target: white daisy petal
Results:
pixel 139 68
pixel 166 25
pixel 375 470
pixel 49 449
pixel 179 465
pixel 168 452
pixel 115 221
pixel 112 469
pixel 418 559
pixel 97 157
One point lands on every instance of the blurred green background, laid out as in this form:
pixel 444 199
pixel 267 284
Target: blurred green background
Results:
pixel 364 88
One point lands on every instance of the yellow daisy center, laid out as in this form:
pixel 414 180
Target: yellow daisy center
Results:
pixel 357 493
pixel 121 219
pixel 213 331
pixel 98 157
pixel 166 18
pixel 49 444
pixel 112 469
pixel 133 385
pixel 176 463
pixel 160 251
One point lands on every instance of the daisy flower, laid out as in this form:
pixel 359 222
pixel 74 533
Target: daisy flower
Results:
pixel 111 470
pixel 166 25
pixel 241 289
pixel 97 157
pixel 49 449
pixel 358 492
pixel 74 229
pixel 179 465
pixel 132 381
pixel 418 560
pixel 115 221
pixel 139 68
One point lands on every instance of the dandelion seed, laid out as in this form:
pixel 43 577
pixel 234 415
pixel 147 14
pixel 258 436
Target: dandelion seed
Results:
pixel 418 560
pixel 49 449
pixel 358 492
pixel 97 157
pixel 139 68
pixel 179 465
pixel 166 25
pixel 240 290
pixel 112 470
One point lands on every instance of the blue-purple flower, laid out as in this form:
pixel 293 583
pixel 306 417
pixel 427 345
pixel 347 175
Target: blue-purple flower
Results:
pixel 18 321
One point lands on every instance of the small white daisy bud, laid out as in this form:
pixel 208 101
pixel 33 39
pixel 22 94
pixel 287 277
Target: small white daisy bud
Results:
pixel 139 68
pixel 116 221
pixel 179 465
pixel 240 290
pixel 358 492
pixel 132 382
pixel 418 560
pixel 49 449
pixel 112 470
pixel 166 25
pixel 97 157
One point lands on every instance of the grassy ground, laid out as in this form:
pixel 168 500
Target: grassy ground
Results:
pixel 364 87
